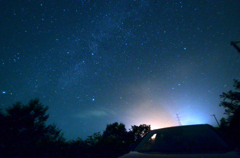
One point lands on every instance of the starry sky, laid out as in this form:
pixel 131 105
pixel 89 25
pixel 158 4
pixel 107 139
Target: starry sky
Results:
pixel 96 62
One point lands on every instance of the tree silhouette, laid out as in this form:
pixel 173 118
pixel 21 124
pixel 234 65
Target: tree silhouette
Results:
pixel 77 148
pixel 231 100
pixel 139 131
pixel 115 130
pixel 26 132
pixel 114 142
pixel 231 103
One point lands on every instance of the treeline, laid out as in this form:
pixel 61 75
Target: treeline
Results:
pixel 230 125
pixel 24 133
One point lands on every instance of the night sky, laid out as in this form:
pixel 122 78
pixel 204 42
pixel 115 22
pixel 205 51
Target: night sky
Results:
pixel 96 62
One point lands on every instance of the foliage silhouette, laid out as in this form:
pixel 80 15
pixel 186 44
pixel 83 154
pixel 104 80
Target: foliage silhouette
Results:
pixel 24 133
pixel 77 148
pixel 114 141
pixel 231 100
pixel 231 125
pixel 139 131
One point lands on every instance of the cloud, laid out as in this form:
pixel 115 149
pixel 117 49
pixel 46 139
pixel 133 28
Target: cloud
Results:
pixel 94 113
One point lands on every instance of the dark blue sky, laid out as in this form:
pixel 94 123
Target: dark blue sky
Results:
pixel 132 61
